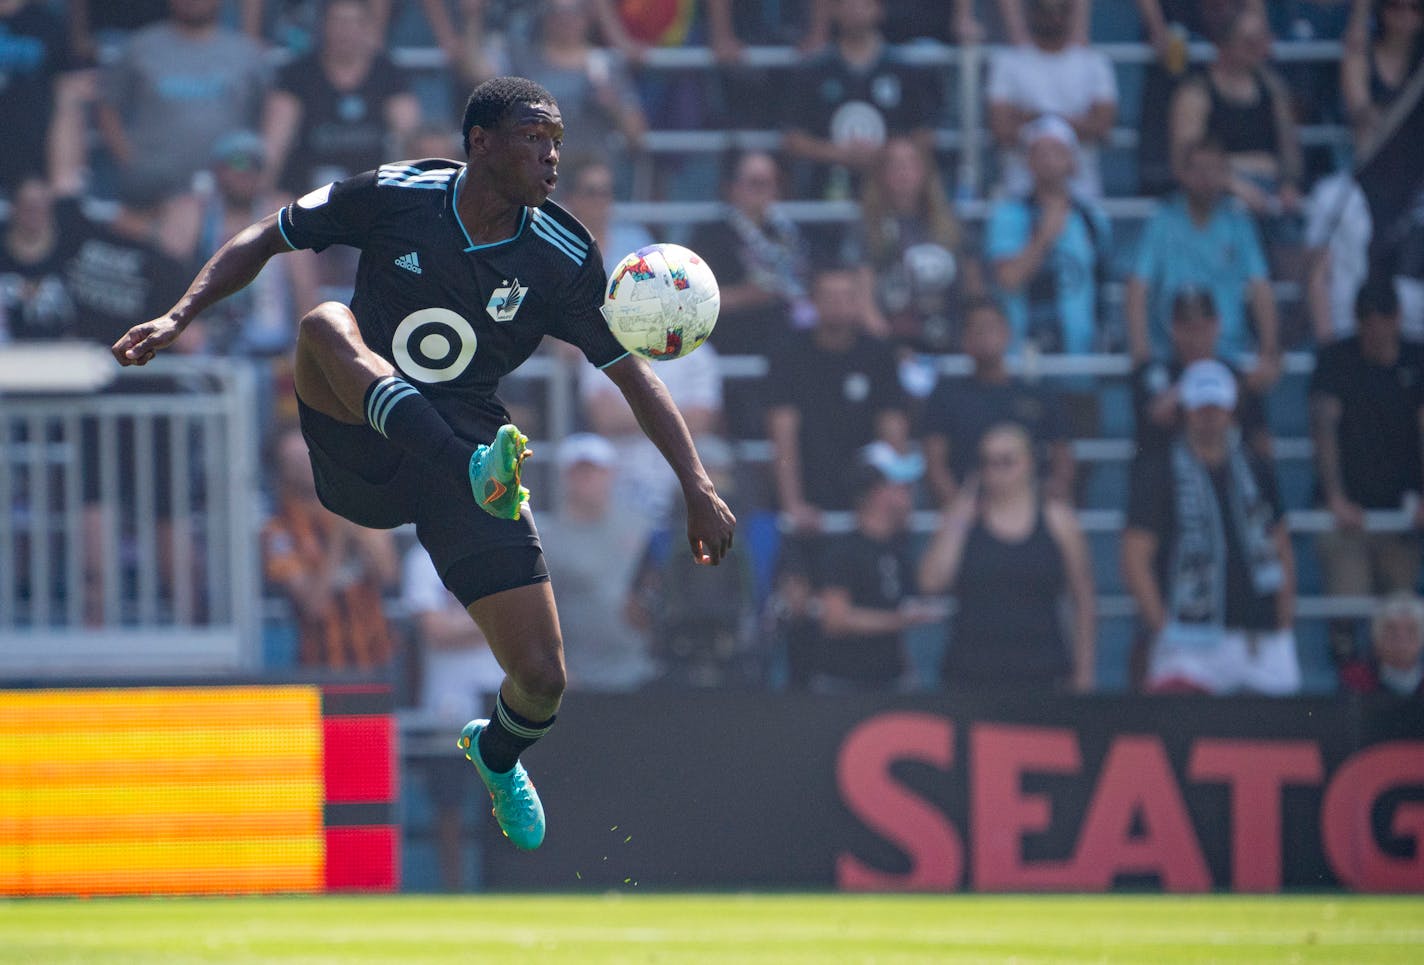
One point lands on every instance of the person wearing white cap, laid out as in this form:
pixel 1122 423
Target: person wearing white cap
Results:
pixel 1049 251
pixel 1207 556
pixel 593 546
pixel 1051 75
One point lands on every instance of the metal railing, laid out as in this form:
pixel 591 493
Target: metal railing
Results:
pixel 128 521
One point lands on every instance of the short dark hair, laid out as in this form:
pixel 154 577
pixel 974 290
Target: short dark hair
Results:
pixel 1377 297
pixel 492 101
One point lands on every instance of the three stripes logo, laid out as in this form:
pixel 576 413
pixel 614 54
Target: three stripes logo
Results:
pixel 410 262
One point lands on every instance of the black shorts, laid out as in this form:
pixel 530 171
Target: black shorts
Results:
pixel 361 476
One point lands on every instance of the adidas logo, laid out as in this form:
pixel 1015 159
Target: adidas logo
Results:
pixel 410 262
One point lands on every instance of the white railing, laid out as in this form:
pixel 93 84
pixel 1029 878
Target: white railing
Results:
pixel 128 520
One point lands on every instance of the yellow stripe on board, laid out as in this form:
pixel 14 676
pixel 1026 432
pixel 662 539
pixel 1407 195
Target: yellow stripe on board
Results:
pixel 216 865
pixel 159 790
pixel 138 797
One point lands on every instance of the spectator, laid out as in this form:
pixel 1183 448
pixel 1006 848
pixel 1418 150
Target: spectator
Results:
pixel 1049 251
pixel 759 257
pixel 40 85
pixel 701 621
pixel 1054 76
pixel 1007 22
pixel 761 264
pixel 863 585
pixel 1207 556
pixel 831 392
pixel 1338 232
pixel 1379 59
pixel 35 241
pixel 590 83
pixel 1009 554
pixel 188 74
pixel 961 411
pixel 330 570
pixel 260 319
pixel 457 672
pixel 915 250
pixel 1367 413
pixel 589 197
pixel 733 24
pixel 1200 239
pixel 1169 25
pixel 93 22
pixel 1396 661
pixel 843 103
pixel 338 110
pixel 64 276
pixel 1156 384
pixel 295 25
pixel 593 547
pixel 1240 103
pixel 644 482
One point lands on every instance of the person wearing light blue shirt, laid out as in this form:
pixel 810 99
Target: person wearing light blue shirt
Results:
pixel 1049 250
pixel 1202 239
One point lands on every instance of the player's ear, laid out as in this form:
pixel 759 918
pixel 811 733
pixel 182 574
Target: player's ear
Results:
pixel 479 141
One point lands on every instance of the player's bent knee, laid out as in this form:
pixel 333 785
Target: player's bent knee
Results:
pixel 543 680
pixel 324 323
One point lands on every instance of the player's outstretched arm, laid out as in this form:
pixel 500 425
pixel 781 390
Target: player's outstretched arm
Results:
pixel 710 523
pixel 229 270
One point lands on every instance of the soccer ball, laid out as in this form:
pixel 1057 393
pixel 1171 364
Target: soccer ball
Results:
pixel 661 301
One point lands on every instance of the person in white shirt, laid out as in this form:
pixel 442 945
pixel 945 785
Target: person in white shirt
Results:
pixel 1052 75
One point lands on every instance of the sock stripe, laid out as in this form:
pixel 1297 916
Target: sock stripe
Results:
pixel 382 398
pixel 392 398
pixel 507 721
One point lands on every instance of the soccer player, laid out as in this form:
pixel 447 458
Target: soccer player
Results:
pixel 463 269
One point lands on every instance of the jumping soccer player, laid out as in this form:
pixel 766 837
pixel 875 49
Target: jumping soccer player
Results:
pixel 464 268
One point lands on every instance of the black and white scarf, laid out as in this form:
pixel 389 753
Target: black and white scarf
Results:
pixel 1196 605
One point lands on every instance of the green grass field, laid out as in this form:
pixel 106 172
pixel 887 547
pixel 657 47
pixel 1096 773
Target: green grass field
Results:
pixel 721 929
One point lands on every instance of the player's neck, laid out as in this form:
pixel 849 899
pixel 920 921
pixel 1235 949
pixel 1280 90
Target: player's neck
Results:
pixel 487 216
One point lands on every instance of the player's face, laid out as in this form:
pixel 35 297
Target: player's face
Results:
pixel 521 153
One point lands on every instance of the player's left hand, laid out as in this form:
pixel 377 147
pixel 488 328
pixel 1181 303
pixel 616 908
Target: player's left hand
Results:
pixel 710 525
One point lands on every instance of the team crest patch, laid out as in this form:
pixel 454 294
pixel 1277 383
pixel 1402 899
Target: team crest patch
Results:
pixel 505 302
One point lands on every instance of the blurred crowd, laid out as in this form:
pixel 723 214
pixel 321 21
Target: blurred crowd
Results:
pixel 909 489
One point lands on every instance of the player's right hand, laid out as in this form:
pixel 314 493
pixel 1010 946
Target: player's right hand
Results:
pixel 141 343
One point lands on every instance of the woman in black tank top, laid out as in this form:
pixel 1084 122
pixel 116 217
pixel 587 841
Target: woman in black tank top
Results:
pixel 1375 67
pixel 1238 102
pixel 1008 556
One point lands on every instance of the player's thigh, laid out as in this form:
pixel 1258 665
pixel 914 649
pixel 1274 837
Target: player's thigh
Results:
pixel 333 363
pixel 522 627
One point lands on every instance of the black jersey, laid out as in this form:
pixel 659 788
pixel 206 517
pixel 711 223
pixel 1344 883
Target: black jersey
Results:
pixel 454 317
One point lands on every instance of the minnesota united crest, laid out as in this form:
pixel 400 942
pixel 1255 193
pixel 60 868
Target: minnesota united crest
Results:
pixel 505 302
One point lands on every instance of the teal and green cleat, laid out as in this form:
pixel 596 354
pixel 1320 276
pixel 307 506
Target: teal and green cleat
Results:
pixel 495 472
pixel 516 803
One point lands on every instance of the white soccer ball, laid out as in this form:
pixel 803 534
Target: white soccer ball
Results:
pixel 661 302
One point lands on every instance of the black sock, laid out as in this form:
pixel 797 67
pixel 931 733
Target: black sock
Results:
pixel 396 410
pixel 507 735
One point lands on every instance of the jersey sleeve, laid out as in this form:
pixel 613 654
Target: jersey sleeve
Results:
pixel 339 213
pixel 579 320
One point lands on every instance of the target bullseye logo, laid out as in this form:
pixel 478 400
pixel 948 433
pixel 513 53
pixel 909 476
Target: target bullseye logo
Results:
pixel 434 345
